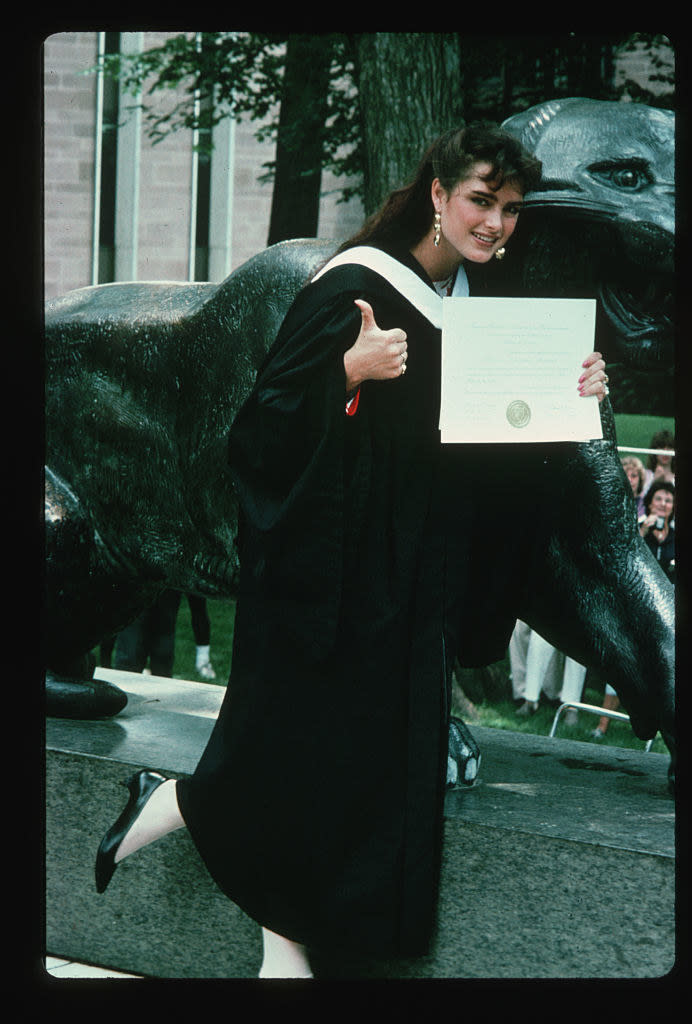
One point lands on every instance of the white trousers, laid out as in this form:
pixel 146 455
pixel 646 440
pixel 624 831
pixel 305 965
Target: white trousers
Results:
pixel 537 665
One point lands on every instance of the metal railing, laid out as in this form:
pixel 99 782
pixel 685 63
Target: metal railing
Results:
pixel 594 710
pixel 648 451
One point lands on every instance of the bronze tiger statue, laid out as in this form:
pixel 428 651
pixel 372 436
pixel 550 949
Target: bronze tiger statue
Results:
pixel 143 381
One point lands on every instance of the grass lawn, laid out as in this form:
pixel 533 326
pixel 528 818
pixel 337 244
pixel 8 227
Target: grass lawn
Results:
pixel 502 715
pixel 222 619
pixel 497 715
pixel 637 431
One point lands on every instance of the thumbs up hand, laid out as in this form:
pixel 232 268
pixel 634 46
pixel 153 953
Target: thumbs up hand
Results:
pixel 375 354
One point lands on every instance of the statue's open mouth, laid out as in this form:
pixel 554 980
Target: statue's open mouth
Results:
pixel 641 309
pixel 631 263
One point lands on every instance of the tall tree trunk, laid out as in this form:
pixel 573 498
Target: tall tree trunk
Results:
pixel 299 144
pixel 410 90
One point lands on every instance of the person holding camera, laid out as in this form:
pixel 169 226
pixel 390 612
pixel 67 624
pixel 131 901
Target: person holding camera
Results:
pixel 656 525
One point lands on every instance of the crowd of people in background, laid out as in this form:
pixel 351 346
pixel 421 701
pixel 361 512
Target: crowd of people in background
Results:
pixel 538 668
pixel 653 487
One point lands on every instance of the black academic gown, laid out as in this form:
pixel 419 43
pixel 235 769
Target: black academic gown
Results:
pixel 317 804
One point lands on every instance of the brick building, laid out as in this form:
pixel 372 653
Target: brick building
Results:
pixel 133 217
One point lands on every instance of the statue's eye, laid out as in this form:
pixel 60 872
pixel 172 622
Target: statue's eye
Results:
pixel 628 176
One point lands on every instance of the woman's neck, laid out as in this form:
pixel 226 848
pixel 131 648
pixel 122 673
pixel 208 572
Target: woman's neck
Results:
pixel 439 263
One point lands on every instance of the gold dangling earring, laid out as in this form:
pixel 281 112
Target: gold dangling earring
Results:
pixel 438 230
pixel 500 254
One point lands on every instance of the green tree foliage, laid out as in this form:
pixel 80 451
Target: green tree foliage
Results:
pixel 215 74
pixel 211 75
pixel 659 56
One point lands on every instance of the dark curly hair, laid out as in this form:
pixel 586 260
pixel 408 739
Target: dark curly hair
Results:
pixel 407 213
pixel 658 485
pixel 663 439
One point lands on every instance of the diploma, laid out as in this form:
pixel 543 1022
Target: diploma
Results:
pixel 510 370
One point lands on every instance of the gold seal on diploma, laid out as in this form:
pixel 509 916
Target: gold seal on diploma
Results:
pixel 518 413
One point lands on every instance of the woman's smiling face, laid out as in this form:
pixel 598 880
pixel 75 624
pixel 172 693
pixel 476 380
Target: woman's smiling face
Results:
pixel 662 503
pixel 476 220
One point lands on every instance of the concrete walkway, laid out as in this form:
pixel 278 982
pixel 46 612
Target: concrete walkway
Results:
pixel 558 863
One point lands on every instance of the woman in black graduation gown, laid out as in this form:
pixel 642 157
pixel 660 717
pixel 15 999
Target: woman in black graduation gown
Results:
pixel 317 804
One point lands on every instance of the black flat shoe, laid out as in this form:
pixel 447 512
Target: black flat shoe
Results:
pixel 141 786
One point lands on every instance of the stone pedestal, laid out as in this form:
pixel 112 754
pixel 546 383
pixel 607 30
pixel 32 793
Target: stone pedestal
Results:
pixel 558 863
